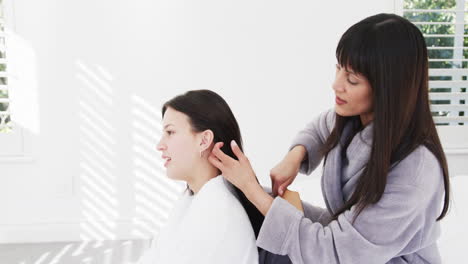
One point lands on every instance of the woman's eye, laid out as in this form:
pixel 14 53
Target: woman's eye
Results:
pixel 351 79
pixel 352 83
pixel 169 132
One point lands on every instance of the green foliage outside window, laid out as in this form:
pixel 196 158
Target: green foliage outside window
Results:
pixel 5 119
pixel 440 46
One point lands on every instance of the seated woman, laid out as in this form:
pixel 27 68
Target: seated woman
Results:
pixel 213 222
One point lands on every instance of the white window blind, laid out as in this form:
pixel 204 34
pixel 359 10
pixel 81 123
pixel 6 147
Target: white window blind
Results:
pixel 5 119
pixel 444 25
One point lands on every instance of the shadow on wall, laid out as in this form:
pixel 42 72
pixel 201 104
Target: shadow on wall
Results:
pixel 155 194
pixel 118 159
pixel 115 201
pixel 98 171
pixel 104 252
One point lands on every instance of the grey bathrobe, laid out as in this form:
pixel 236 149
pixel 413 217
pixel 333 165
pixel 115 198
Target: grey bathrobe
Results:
pixel 400 228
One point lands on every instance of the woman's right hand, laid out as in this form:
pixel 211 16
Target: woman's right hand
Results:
pixel 284 173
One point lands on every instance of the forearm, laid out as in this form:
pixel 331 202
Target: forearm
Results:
pixel 297 154
pixel 257 195
pixel 313 138
pixel 261 199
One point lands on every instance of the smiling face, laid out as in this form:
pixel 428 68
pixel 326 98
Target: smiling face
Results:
pixel 179 145
pixel 353 94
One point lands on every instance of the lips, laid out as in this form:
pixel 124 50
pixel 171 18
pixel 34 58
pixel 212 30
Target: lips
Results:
pixel 340 101
pixel 168 159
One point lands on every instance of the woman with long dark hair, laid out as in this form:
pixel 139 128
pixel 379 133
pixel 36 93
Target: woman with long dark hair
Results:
pixel 213 222
pixel 385 180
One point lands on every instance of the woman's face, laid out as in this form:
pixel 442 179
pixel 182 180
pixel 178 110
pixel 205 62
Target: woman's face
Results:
pixel 353 94
pixel 178 145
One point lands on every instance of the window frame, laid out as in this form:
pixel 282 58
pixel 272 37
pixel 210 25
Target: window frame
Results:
pixel 16 144
pixel 454 138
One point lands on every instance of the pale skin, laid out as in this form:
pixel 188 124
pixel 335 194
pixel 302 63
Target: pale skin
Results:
pixel 240 174
pixel 354 98
pixel 186 150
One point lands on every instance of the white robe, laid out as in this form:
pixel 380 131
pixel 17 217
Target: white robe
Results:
pixel 210 227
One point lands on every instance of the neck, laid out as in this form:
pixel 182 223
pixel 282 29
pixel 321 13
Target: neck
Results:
pixel 200 175
pixel 366 118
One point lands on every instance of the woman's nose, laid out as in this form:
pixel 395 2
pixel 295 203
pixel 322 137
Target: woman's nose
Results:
pixel 160 146
pixel 339 82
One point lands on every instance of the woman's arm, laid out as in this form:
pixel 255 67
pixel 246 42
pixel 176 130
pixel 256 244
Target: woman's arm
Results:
pixel 379 234
pixel 317 214
pixel 284 173
pixel 261 199
pixel 312 138
pixel 402 222
pixel 240 174
pixel 382 231
pixel 304 154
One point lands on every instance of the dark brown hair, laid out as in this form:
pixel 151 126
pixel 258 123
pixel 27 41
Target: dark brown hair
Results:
pixel 391 53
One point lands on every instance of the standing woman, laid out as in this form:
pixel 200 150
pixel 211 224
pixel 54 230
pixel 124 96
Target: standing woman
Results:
pixel 385 180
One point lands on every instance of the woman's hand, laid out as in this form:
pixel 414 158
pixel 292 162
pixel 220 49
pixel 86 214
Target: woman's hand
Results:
pixel 238 172
pixel 283 174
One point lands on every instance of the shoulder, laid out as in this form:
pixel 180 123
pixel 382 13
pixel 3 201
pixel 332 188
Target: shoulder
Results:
pixel 215 190
pixel 327 119
pixel 220 211
pixel 216 197
pixel 323 122
pixel 420 169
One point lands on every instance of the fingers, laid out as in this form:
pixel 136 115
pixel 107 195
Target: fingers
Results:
pixel 278 189
pixel 273 191
pixel 219 145
pixel 275 181
pixel 215 162
pixel 218 153
pixel 237 151
pixel 282 188
pixel 274 188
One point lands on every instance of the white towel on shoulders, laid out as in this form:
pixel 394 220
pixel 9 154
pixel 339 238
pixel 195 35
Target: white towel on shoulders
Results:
pixel 210 227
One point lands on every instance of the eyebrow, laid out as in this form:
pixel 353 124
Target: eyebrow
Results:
pixel 357 75
pixel 346 68
pixel 348 71
pixel 167 125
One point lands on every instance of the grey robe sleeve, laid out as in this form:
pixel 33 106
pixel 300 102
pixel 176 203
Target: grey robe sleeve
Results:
pixel 401 222
pixel 312 137
pixel 316 214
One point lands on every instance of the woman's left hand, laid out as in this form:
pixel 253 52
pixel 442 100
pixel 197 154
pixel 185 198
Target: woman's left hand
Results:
pixel 238 172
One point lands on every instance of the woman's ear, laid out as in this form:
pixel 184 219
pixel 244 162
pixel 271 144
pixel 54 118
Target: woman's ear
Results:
pixel 207 138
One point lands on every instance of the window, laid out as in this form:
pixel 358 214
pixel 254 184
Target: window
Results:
pixel 5 119
pixel 444 24
pixel 14 140
pixel 445 28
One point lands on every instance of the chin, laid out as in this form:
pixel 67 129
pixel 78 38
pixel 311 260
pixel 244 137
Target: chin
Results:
pixel 175 176
pixel 340 111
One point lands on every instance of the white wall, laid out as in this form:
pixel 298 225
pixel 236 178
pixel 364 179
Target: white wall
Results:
pixel 95 74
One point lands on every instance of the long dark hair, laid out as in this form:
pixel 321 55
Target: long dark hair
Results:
pixel 207 110
pixel 391 53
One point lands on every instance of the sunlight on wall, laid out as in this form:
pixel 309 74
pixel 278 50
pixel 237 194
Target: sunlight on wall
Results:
pixel 97 179
pixel 154 192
